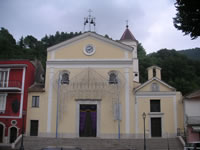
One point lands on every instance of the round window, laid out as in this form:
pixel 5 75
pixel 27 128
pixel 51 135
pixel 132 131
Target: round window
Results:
pixel 14 122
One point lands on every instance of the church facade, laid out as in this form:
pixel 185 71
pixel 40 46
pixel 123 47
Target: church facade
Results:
pixel 92 89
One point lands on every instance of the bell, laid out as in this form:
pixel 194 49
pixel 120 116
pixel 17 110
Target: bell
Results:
pixel 86 21
pixel 92 22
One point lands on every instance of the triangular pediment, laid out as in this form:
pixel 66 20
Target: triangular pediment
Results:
pixel 161 86
pixel 100 46
pixel 93 35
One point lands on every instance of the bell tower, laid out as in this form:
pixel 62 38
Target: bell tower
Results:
pixel 90 21
pixel 129 39
pixel 154 71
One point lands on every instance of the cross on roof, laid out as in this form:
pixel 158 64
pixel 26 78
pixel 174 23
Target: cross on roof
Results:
pixel 126 23
pixel 90 11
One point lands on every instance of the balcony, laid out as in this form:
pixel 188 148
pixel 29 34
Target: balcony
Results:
pixel 10 86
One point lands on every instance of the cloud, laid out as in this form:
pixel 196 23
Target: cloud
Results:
pixel 151 23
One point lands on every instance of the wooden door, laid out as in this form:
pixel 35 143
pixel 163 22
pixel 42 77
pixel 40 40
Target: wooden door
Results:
pixel 156 127
pixel 34 128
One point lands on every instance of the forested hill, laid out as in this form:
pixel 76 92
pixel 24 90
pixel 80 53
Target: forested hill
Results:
pixel 192 53
pixel 29 47
pixel 177 70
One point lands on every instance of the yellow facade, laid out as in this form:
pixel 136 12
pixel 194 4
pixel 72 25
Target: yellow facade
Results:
pixel 61 106
pixel 170 111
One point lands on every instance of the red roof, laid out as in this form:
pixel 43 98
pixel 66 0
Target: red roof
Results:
pixel 127 35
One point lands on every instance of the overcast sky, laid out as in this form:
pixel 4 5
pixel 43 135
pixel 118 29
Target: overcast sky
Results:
pixel 150 21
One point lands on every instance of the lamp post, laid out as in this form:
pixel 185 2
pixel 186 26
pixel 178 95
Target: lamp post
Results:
pixel 22 141
pixel 144 117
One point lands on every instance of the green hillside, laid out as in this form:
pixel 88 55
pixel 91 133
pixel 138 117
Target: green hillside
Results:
pixel 178 70
pixel 191 53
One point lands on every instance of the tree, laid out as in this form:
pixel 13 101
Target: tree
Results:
pixel 141 51
pixel 188 17
pixel 177 70
pixel 30 42
pixel 7 44
pixel 143 62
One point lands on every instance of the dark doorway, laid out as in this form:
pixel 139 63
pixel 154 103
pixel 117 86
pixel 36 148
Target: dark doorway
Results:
pixel 88 120
pixel 156 130
pixel 34 128
pixel 1 133
pixel 13 134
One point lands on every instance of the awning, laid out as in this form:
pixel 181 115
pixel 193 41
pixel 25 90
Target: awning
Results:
pixel 196 128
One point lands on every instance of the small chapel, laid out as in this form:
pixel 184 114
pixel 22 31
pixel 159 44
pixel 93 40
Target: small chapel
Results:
pixel 92 89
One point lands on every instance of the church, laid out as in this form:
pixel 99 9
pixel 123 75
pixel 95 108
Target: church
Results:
pixel 92 89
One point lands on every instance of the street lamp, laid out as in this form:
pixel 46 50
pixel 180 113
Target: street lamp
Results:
pixel 144 117
pixel 22 140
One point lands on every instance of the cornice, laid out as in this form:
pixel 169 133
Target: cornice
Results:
pixel 154 94
pixel 90 61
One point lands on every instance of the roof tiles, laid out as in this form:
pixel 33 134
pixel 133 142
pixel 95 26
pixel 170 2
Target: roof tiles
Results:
pixel 127 35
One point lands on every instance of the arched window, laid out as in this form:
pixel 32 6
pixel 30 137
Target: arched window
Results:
pixel 65 77
pixel 113 78
pixel 154 72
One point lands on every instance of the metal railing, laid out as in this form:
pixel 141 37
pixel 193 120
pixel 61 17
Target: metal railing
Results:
pixel 182 133
pixel 10 83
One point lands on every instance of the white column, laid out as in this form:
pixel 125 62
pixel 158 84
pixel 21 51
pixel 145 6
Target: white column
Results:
pixel 127 102
pixel 136 116
pixel 22 93
pixel 175 115
pixel 50 91
pixel 135 70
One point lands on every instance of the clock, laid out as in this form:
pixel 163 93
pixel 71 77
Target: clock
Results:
pixel 89 49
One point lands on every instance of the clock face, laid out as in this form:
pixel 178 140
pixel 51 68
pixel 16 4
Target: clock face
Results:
pixel 89 50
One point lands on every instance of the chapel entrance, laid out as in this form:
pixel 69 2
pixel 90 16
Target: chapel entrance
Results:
pixel 156 130
pixel 1 133
pixel 88 120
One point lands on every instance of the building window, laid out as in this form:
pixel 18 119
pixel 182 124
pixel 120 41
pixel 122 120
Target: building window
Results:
pixel 155 105
pixel 154 72
pixel 3 78
pixel 34 128
pixel 65 78
pixel 2 103
pixel 155 87
pixel 35 101
pixel 113 78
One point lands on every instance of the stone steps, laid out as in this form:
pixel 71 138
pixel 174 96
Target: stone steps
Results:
pixel 6 147
pixel 36 143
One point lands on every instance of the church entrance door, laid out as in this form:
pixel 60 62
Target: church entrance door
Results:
pixel 88 120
